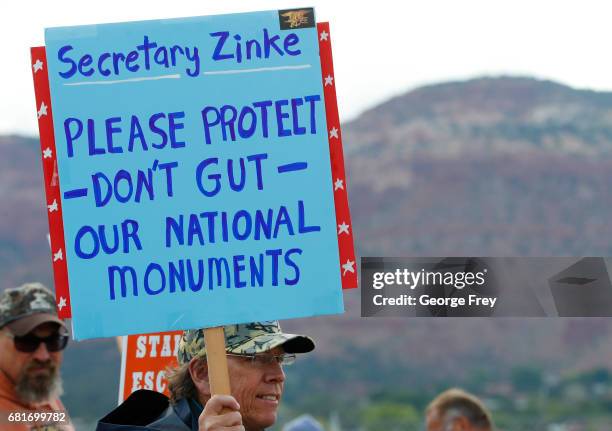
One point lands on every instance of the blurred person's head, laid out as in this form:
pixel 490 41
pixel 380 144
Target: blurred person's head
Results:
pixel 457 410
pixel 32 338
pixel 255 355
pixel 303 423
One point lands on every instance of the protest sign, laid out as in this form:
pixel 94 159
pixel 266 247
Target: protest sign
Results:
pixel 144 361
pixel 193 160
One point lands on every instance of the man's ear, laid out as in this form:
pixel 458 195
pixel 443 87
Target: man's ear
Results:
pixel 198 369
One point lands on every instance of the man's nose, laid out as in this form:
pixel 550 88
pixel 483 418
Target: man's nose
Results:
pixel 275 373
pixel 41 353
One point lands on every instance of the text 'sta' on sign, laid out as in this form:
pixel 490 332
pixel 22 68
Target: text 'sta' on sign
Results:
pixel 145 360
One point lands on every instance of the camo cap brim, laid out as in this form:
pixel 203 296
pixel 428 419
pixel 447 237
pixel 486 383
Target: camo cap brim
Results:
pixel 292 343
pixel 245 339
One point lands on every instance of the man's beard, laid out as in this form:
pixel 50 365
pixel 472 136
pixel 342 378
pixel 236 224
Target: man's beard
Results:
pixel 34 388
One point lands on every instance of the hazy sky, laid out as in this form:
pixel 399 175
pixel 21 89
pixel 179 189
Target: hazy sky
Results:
pixel 381 48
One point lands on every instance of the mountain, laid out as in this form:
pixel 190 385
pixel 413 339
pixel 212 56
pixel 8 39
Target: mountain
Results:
pixel 24 250
pixel 494 166
pixel 500 166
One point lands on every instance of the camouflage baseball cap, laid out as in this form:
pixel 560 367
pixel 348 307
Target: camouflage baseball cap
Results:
pixel 245 339
pixel 25 307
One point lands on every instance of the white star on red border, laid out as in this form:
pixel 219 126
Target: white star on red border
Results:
pixel 43 110
pixel 38 65
pixel 47 153
pixel 59 255
pixel 333 133
pixel 329 80
pixel 61 303
pixel 339 184
pixel 348 267
pixel 53 206
pixel 323 35
pixel 343 228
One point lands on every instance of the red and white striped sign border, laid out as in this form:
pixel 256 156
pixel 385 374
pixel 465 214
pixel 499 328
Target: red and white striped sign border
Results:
pixel 346 247
pixel 51 178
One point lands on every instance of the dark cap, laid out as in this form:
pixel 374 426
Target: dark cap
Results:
pixel 25 307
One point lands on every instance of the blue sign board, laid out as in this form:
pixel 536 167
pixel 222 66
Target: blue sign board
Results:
pixel 194 167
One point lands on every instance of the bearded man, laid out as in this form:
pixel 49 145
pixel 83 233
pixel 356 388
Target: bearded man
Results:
pixel 32 338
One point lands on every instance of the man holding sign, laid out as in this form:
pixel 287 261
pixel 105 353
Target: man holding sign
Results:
pixel 256 353
pixel 200 183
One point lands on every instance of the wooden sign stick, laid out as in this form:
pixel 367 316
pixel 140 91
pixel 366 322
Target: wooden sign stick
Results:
pixel 218 374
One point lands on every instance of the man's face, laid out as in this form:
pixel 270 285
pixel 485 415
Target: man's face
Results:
pixel 258 388
pixel 36 374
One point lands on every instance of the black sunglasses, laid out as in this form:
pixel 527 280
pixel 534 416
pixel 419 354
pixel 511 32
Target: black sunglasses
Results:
pixel 29 343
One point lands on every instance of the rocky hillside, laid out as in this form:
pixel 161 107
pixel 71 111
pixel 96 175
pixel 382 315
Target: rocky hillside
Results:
pixel 504 166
